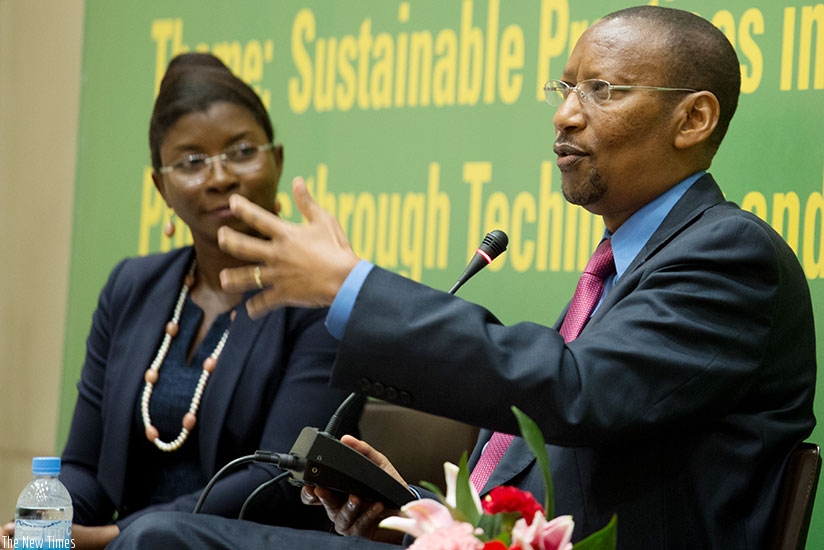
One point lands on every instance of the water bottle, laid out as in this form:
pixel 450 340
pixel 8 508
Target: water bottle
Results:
pixel 43 517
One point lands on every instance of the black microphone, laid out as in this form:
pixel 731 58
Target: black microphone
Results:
pixel 491 247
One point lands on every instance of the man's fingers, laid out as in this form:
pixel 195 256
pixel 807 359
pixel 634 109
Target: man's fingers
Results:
pixel 258 218
pixel 349 515
pixel 293 264
pixel 365 449
pixel 261 303
pixel 239 279
pixel 313 212
pixel 328 497
pixel 304 201
pixel 307 496
pixel 331 501
pixel 368 521
pixel 374 455
pixel 242 246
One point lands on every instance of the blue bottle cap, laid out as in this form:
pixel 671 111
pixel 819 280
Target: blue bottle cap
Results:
pixel 45 465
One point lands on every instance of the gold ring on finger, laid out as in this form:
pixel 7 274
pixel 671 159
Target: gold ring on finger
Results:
pixel 258 282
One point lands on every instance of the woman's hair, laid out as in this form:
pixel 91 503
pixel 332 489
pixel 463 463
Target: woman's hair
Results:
pixel 194 82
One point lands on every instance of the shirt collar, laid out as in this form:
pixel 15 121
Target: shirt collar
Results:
pixel 634 233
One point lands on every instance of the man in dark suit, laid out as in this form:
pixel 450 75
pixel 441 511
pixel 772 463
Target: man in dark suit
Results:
pixel 676 404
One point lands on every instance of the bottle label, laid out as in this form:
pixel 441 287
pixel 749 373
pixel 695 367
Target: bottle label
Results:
pixel 43 533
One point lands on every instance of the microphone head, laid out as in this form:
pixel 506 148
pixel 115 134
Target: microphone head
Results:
pixel 490 248
pixel 494 243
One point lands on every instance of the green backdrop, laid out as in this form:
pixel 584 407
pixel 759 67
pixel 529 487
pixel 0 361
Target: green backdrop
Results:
pixel 422 125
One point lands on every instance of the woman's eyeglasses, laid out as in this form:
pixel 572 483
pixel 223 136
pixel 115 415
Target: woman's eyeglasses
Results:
pixel 240 159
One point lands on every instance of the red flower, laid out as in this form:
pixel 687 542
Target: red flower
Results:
pixel 509 499
pixel 494 545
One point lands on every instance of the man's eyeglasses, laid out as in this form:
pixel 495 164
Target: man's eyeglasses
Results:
pixel 594 90
pixel 241 159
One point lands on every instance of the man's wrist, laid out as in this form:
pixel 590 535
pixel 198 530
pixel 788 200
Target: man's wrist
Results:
pixel 344 301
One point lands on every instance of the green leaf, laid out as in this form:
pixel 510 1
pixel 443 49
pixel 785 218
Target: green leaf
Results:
pixel 535 439
pixel 498 526
pixel 435 489
pixel 605 539
pixel 457 515
pixel 463 496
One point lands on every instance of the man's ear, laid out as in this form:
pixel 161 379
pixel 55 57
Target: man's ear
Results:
pixel 699 114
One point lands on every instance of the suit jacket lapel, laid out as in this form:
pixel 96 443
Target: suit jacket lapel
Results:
pixel 221 387
pixel 703 194
pixel 129 368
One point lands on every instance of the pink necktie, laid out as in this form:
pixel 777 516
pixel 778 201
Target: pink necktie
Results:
pixel 491 456
pixel 589 290
pixel 587 295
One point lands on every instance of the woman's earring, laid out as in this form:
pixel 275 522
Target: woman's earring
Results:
pixel 169 227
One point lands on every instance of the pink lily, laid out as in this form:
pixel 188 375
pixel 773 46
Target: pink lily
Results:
pixel 420 517
pixel 555 534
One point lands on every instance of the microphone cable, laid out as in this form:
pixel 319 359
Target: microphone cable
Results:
pixel 354 400
pixel 284 461
pixel 259 489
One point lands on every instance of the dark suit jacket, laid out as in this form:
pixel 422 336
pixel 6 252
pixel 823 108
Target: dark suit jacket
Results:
pixel 271 380
pixel 677 406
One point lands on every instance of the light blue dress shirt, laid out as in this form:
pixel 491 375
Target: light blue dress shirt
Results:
pixel 627 241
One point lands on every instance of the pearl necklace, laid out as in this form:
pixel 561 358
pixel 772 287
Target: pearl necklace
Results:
pixel 152 374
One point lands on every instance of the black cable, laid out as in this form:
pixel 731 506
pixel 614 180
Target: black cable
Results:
pixel 354 399
pixel 260 488
pixel 283 461
pixel 217 476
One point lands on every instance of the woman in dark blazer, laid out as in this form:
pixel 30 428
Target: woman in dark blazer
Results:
pixel 178 380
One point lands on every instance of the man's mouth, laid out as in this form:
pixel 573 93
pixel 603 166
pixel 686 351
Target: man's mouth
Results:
pixel 568 154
